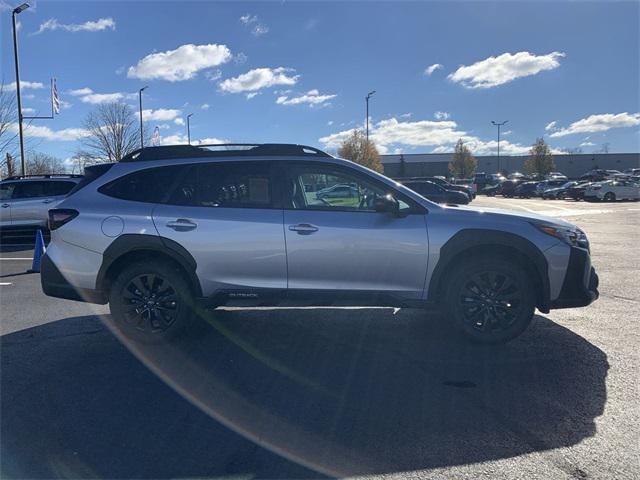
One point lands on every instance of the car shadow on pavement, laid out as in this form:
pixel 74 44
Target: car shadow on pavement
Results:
pixel 289 394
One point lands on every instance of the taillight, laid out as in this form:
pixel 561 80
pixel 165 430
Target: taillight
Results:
pixel 59 216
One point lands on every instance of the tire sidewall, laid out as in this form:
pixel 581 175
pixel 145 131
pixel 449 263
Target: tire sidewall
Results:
pixel 177 280
pixel 518 274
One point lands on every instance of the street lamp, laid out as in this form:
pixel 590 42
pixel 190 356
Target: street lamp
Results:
pixel 499 124
pixel 369 95
pixel 189 129
pixel 19 9
pixel 140 101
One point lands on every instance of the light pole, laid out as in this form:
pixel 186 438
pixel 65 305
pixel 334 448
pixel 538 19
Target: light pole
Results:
pixel 16 11
pixel 189 129
pixel 369 95
pixel 140 101
pixel 499 124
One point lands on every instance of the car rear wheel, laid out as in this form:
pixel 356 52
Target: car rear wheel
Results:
pixel 151 302
pixel 609 197
pixel 490 300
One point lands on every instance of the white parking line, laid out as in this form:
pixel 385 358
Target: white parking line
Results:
pixel 4 284
pixel 17 258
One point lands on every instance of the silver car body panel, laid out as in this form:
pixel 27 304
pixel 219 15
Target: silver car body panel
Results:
pixel 238 247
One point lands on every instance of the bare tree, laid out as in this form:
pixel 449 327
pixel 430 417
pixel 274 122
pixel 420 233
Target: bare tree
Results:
pixel 360 150
pixel 42 164
pixel 604 148
pixel 463 164
pixel 8 136
pixel 113 133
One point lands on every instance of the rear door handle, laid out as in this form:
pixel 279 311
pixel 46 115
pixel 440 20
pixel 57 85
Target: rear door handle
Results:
pixel 48 200
pixel 182 225
pixel 5 205
pixel 303 228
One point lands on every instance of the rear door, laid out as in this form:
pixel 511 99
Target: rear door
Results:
pixel 6 192
pixel 344 245
pixel 226 216
pixel 29 204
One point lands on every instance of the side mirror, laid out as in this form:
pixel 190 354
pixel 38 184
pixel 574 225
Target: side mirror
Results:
pixel 387 204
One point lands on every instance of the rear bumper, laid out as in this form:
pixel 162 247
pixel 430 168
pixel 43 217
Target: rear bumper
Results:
pixel 580 286
pixel 55 285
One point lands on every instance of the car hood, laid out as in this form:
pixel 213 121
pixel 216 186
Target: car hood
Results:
pixel 500 213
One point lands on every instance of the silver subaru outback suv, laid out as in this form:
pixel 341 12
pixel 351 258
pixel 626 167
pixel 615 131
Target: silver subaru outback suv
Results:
pixel 169 231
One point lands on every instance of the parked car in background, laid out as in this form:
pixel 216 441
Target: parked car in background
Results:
pixel 595 175
pixel 526 190
pixel 26 200
pixel 508 188
pixel 236 228
pixel 576 192
pixel 338 191
pixel 632 172
pixel 438 194
pixel 557 176
pixel 558 193
pixel 612 190
pixel 516 176
pixel 450 186
pixel 547 184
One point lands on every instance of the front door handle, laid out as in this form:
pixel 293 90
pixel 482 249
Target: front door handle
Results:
pixel 182 225
pixel 48 200
pixel 5 205
pixel 303 228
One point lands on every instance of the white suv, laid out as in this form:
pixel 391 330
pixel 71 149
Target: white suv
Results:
pixel 613 190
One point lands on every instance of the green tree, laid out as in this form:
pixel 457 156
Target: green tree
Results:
pixel 540 161
pixel 463 164
pixel 357 149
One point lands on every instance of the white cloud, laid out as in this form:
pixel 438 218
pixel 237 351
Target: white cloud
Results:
pixel 259 78
pixel 28 110
pixel 600 123
pixel 178 121
pixel 87 95
pixel 64 135
pixel 204 106
pixel 213 75
pixel 550 126
pixel 183 63
pixel 507 132
pixel 424 133
pixel 24 84
pixel 181 139
pixel 251 95
pixel 330 122
pixel 442 115
pixel 406 115
pixel 161 114
pixel 257 28
pixel 89 26
pixel 312 97
pixel 587 144
pixel 494 71
pixel 432 68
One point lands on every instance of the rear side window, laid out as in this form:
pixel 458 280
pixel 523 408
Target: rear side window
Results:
pixel 6 190
pixel 225 185
pixel 30 190
pixel 152 185
pixel 59 188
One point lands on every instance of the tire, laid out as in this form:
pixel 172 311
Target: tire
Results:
pixel 490 300
pixel 609 197
pixel 151 302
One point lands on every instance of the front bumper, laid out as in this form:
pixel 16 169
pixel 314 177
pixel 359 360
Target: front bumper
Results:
pixel 54 284
pixel 580 286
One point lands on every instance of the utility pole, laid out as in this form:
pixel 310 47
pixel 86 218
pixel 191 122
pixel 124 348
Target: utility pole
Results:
pixel 189 129
pixel 369 95
pixel 499 124
pixel 141 129
pixel 19 9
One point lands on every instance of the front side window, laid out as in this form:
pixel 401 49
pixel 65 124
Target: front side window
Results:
pixel 225 185
pixel 327 188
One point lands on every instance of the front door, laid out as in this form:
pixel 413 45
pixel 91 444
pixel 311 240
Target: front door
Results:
pixel 340 243
pixel 6 192
pixel 29 204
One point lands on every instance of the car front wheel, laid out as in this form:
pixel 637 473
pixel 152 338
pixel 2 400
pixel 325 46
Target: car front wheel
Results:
pixel 490 300
pixel 151 302
pixel 609 197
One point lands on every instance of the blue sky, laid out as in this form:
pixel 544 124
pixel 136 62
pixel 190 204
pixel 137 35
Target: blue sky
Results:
pixel 298 71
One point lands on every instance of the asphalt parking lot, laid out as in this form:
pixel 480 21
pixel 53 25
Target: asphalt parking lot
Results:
pixel 308 393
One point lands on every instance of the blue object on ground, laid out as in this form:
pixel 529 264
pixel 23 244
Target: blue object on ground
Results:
pixel 38 252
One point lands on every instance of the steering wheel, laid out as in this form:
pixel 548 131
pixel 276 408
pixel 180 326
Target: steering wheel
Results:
pixel 325 202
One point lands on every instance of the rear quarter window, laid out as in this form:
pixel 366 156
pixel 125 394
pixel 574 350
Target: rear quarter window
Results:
pixel 152 185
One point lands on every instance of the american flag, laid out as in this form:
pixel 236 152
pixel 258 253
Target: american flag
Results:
pixel 55 99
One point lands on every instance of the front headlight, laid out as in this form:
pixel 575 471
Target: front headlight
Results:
pixel 570 235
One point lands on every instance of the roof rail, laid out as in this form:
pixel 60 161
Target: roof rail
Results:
pixel 222 150
pixel 46 175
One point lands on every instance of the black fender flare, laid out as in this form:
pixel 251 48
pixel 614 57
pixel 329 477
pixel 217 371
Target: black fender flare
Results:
pixel 468 239
pixel 132 242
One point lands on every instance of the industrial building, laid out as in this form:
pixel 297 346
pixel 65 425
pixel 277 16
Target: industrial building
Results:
pixel 572 165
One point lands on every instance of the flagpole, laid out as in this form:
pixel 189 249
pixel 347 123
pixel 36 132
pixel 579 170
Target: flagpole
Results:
pixel 36 117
